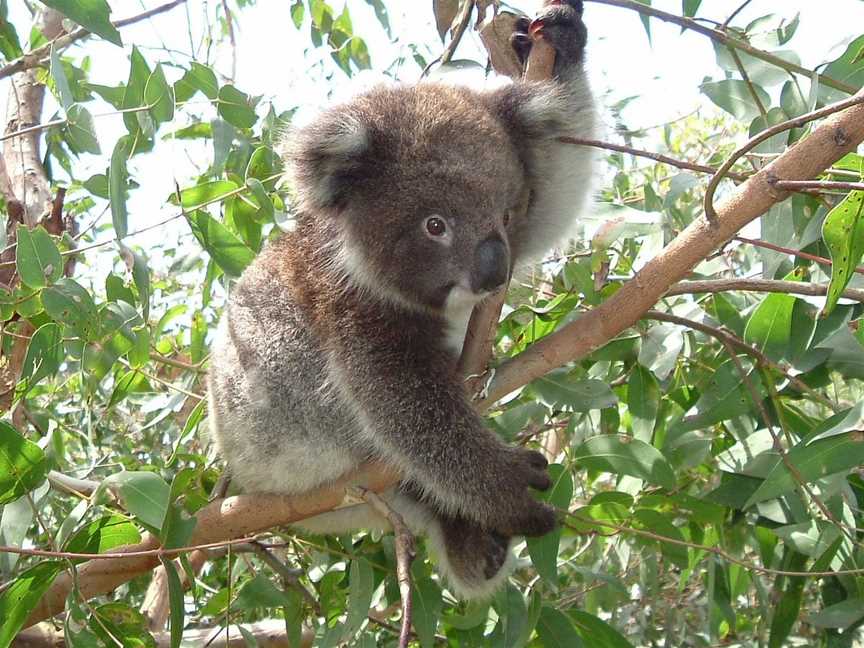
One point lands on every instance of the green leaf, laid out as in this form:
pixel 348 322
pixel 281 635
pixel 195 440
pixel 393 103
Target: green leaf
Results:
pixel 144 494
pixel 19 599
pixel 787 609
pixel 596 632
pixel 265 210
pixel 266 166
pixel 512 618
pixel 544 550
pixel 23 465
pixel 60 80
pixel 80 130
pixel 205 193
pixel 658 524
pixel 840 615
pixel 690 7
pixel 843 233
pixel 198 78
pixel 556 630
pixel 724 397
pixel 175 602
pixel 159 96
pixel 734 96
pixel 140 276
pixel 558 389
pixel 69 303
pixel 624 455
pixel 236 107
pixel 103 535
pixel 259 592
pixel 10 46
pixel 138 122
pixel 37 257
pixel 360 589
pixel 298 10
pixel 92 15
pixel 118 621
pixel 426 597
pixel 770 325
pixel 812 461
pixel 226 250
pixel 118 177
pixel 643 401
pixel 44 355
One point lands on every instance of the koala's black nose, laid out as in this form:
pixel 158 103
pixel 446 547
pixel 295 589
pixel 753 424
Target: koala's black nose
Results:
pixel 491 265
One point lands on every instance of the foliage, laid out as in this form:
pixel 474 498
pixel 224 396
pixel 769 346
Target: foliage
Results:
pixel 694 474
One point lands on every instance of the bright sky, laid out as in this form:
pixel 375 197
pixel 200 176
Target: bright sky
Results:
pixel 271 62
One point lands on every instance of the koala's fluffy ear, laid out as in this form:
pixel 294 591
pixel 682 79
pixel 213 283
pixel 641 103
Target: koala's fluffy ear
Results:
pixel 326 159
pixel 531 112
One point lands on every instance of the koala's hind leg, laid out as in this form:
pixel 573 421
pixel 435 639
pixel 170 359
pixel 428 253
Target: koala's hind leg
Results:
pixel 474 561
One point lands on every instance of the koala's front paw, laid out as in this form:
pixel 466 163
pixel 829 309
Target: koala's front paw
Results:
pixel 520 513
pixel 560 24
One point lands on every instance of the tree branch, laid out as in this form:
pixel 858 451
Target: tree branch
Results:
pixel 222 519
pixel 759 285
pixel 836 136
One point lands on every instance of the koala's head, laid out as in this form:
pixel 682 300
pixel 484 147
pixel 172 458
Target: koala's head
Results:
pixel 419 183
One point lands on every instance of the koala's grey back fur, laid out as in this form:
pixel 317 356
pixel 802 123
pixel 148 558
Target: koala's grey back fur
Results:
pixel 340 341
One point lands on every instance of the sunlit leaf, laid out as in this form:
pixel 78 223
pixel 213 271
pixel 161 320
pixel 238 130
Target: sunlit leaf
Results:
pixel 144 494
pixel 228 251
pixel 93 15
pixel 843 233
pixel 37 257
pixel 22 595
pixel 624 455
pixel 23 465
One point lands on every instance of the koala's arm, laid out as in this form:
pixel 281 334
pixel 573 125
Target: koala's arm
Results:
pixel 559 175
pixel 414 413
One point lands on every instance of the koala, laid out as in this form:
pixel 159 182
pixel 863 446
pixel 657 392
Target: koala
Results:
pixel 339 343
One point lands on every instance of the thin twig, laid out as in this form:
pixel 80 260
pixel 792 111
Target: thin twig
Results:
pixel 657 157
pixel 405 554
pixel 732 16
pixel 759 285
pixel 821 185
pixel 796 122
pixel 458 32
pixel 785 250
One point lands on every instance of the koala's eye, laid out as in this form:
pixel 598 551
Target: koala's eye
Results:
pixel 506 219
pixel 436 226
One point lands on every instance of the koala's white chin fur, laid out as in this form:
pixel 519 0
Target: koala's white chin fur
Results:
pixel 457 311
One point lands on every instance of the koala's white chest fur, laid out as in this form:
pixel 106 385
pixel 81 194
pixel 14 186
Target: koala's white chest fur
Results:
pixel 457 311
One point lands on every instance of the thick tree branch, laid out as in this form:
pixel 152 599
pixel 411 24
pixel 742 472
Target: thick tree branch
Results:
pixel 222 519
